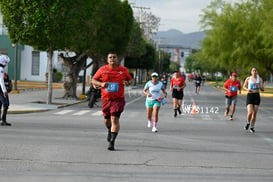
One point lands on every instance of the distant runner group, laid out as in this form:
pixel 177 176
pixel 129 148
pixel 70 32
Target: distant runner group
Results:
pixel 253 84
pixel 112 78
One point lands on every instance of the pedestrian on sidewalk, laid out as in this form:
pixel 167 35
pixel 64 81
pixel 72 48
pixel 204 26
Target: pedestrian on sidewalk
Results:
pixel 4 98
pixel 232 87
pixel 176 87
pixel 253 85
pixel 113 79
pixel 153 100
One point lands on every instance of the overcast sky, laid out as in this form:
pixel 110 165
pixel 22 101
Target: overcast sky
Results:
pixel 176 14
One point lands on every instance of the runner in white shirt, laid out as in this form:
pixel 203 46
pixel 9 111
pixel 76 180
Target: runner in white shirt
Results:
pixel 253 85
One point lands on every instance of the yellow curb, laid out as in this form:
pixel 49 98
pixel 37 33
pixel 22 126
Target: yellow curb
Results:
pixel 15 91
pixel 82 96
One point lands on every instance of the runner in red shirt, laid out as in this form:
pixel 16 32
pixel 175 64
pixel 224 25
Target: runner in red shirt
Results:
pixel 113 79
pixel 176 87
pixel 232 86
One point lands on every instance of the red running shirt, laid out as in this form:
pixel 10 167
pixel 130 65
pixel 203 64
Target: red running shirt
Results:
pixel 177 82
pixel 233 87
pixel 114 77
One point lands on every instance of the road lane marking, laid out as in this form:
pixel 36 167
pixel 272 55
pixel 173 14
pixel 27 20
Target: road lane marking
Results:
pixel 98 113
pixel 64 112
pixel 132 101
pixel 206 117
pixel 268 140
pixel 81 113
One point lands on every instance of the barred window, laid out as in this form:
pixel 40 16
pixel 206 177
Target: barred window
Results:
pixel 35 67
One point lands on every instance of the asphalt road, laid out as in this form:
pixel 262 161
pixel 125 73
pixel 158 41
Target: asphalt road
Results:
pixel 69 144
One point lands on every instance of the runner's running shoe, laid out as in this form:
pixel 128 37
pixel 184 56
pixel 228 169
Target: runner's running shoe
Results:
pixel 154 129
pixel 252 130
pixel 247 126
pixel 179 111
pixel 111 146
pixel 4 123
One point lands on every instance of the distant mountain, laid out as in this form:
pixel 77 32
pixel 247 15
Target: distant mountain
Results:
pixel 173 36
pixel 172 33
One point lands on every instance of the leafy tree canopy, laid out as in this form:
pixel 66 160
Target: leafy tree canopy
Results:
pixel 238 36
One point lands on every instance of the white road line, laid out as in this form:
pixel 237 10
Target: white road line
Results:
pixel 98 113
pixel 132 101
pixel 268 140
pixel 64 112
pixel 206 117
pixel 81 113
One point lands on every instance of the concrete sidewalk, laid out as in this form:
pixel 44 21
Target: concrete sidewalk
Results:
pixel 35 100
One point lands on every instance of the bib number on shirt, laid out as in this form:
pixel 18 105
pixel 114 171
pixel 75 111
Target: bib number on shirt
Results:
pixel 112 87
pixel 176 86
pixel 254 86
pixel 233 89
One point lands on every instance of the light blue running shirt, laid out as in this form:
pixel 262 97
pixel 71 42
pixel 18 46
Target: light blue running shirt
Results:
pixel 154 89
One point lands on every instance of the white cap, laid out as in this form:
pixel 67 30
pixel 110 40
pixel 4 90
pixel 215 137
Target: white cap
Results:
pixel 4 59
pixel 154 74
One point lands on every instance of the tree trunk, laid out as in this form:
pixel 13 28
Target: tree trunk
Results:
pixel 50 76
pixel 97 63
pixel 74 82
pixel 95 66
pixel 75 65
pixel 71 90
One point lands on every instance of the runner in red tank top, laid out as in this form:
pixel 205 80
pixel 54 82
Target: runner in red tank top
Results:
pixel 176 87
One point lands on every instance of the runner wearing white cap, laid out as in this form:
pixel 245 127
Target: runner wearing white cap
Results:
pixel 152 91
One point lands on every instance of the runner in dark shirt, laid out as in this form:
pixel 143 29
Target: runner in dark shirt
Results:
pixel 198 81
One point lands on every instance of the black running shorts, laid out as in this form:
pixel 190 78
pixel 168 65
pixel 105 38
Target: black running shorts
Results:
pixel 253 98
pixel 177 94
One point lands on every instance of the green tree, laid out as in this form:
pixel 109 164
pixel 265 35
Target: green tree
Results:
pixel 162 62
pixel 148 60
pixel 166 62
pixel 137 44
pixel 87 27
pixel 145 61
pixel 174 66
pixel 43 24
pixel 195 63
pixel 235 37
pixel 266 33
pixel 100 30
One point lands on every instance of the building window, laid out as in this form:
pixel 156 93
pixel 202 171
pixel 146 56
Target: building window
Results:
pixel 3 30
pixel 35 67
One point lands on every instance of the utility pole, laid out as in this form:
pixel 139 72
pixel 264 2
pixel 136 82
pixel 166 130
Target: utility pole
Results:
pixel 141 21
pixel 140 18
pixel 15 90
